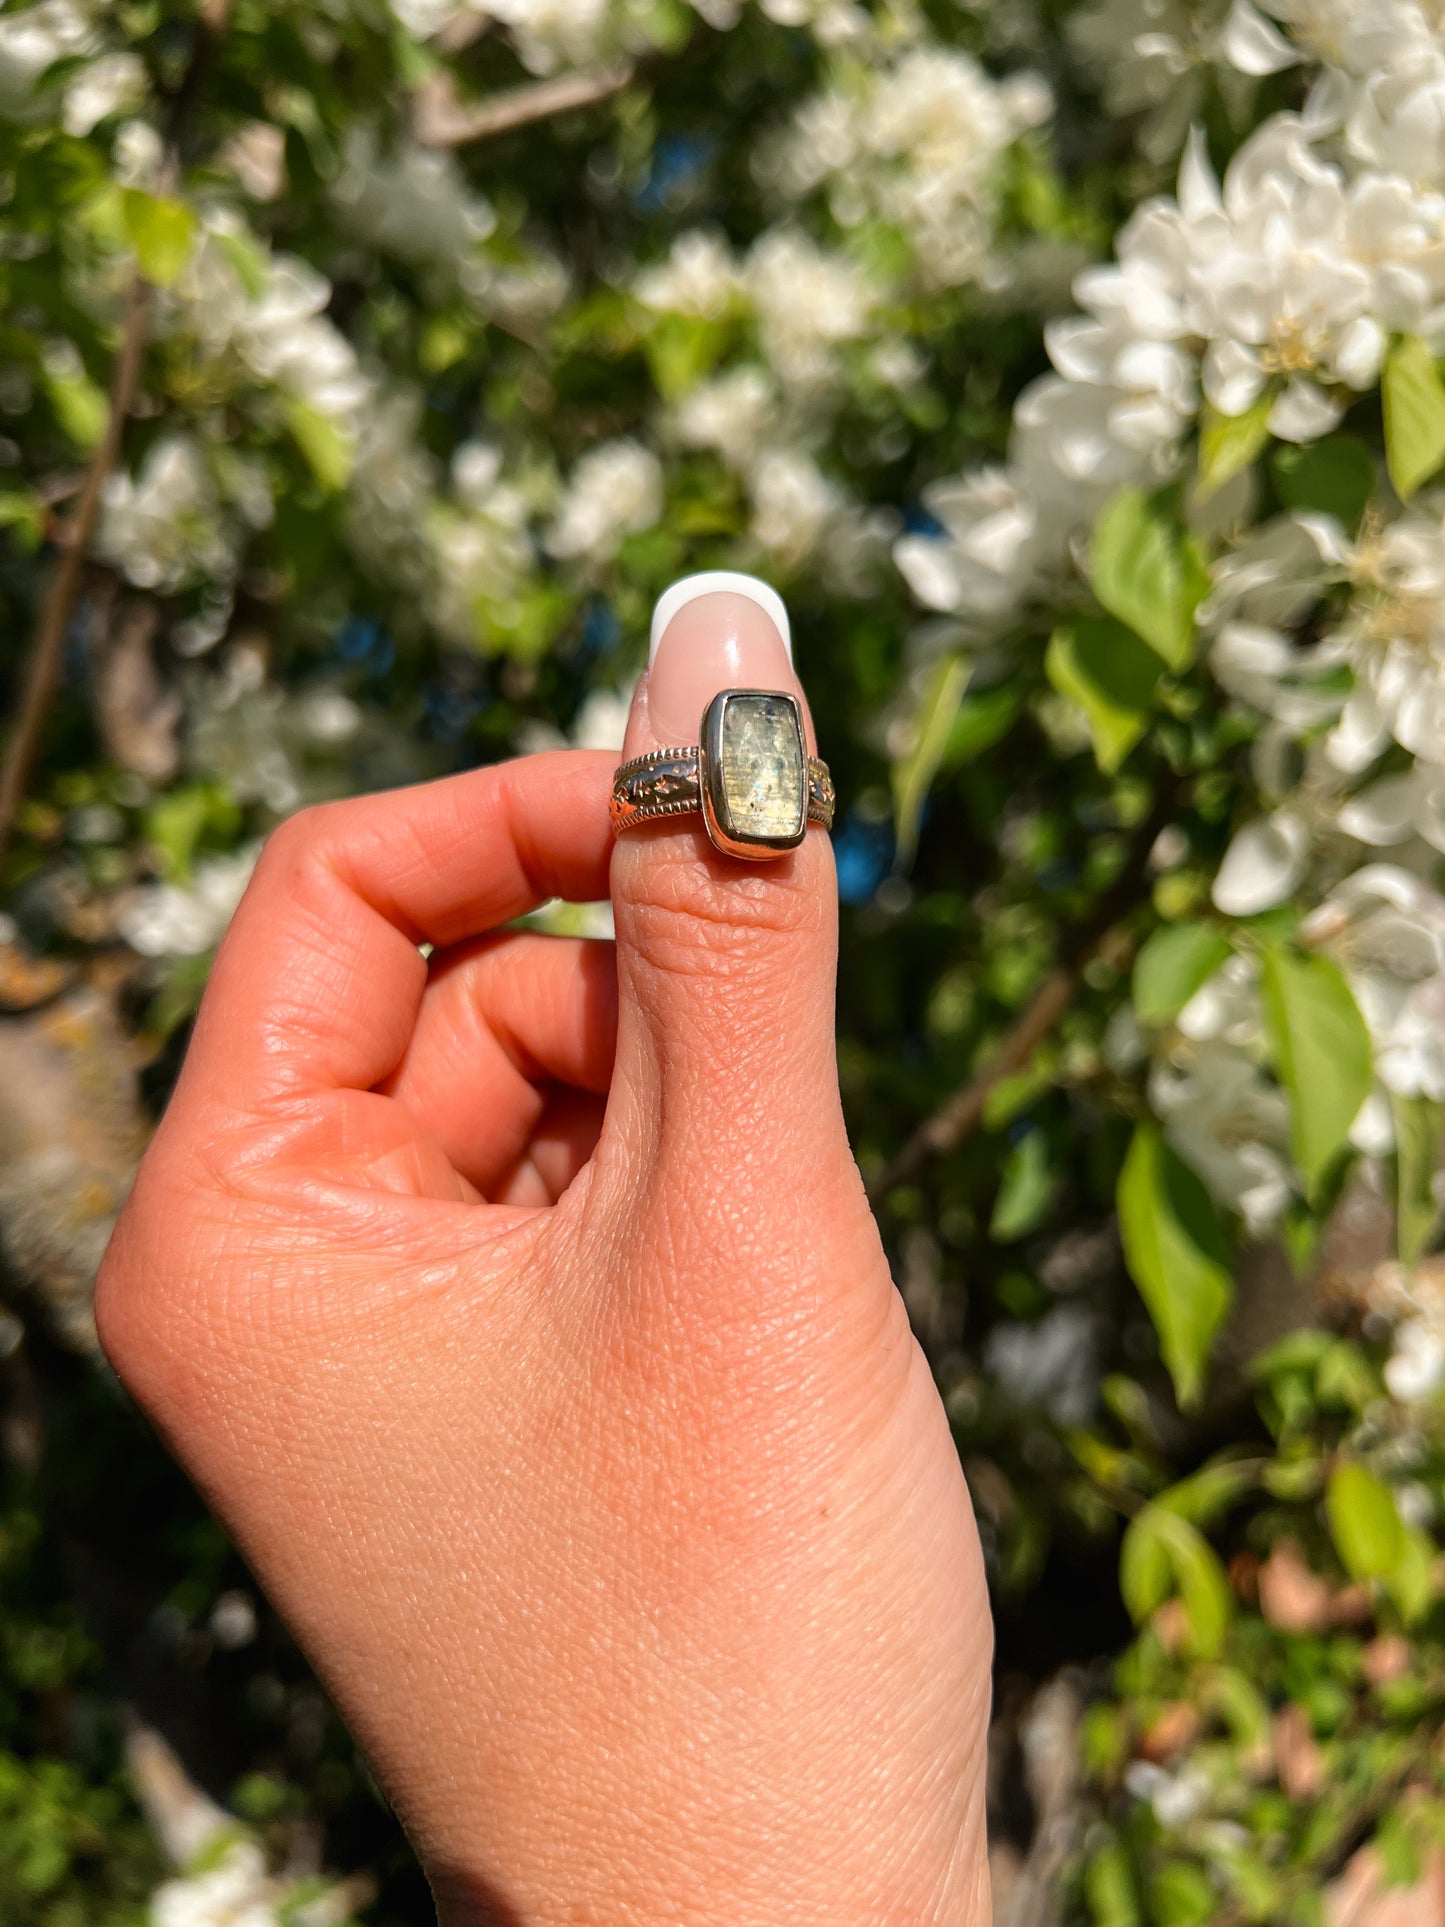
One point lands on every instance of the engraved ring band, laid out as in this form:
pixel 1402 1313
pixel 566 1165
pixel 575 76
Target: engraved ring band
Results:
pixel 749 776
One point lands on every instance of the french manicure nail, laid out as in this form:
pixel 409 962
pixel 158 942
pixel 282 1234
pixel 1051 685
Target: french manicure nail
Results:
pixel 710 632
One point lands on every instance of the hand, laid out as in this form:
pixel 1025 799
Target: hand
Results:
pixel 523 1317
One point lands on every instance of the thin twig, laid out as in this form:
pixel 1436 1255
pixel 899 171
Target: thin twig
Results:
pixel 1099 933
pixel 49 644
pixel 47 650
pixel 440 119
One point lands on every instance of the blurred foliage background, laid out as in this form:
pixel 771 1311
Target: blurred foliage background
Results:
pixel 366 370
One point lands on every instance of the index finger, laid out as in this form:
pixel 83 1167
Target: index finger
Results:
pixel 318 980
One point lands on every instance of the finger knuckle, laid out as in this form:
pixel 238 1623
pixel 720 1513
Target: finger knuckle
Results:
pixel 686 915
pixel 302 840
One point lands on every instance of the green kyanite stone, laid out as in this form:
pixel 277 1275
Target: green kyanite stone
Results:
pixel 764 782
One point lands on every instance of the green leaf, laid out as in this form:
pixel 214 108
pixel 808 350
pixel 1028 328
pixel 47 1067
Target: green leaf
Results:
pixel 1109 1888
pixel 327 449
pixel 1112 675
pixel 1301 1351
pixel 681 351
pixel 1255 1884
pixel 1412 1584
pixel 1333 477
pixel 1177 1254
pixel 177 822
pixel 1148 575
pixel 1145 1569
pixel 1024 1193
pixel 1203 1585
pixel 162 232
pixel 981 722
pixel 1206 1495
pixel 1175 961
pixel 1160 1546
pixel 1295 1480
pixel 1182 1895
pixel 1014 1094
pixel 1364 1523
pixel 1346 1378
pixel 1240 1704
pixel 25 514
pixel 1414 400
pixel 1322 1054
pixel 1419 1123
pixel 1229 444
pixel 933 722
pixel 80 407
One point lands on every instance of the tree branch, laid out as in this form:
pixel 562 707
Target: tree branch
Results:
pixel 441 119
pixel 1097 935
pixel 48 648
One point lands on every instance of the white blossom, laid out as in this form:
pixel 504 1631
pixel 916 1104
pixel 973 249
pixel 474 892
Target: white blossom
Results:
pixel 114 83
pixel 550 33
pixel 426 17
pixel 794 504
pixel 989 556
pixel 187 919
pixel 237 1893
pixel 614 491
pixel 833 23
pixel 1225 1008
pixel 480 545
pixel 33 39
pixel 809 303
pixel 162 526
pixel 392 479
pixel 1273 284
pixel 412 202
pixel 1230 1124
pixel 1415 1368
pixel 283 337
pixel 730 414
pixel 242 732
pixel 1048 1364
pixel 1177 1797
pixel 1263 866
pixel 279 333
pixel 1278 288
pixel 1385 928
pixel 1154 58
pixel 699 277
pixel 138 155
pixel 918 142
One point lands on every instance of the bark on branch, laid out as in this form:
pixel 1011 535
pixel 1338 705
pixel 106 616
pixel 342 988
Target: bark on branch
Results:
pixel 441 119
pixel 47 650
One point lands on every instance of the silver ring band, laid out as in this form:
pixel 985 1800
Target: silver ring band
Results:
pixel 749 778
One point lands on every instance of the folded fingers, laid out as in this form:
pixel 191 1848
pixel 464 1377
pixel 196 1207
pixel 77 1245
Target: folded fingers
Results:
pixel 508 1027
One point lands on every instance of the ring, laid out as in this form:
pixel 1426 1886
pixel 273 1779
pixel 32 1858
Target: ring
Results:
pixel 749 775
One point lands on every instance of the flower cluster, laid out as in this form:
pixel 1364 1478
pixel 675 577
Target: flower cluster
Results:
pixel 918 143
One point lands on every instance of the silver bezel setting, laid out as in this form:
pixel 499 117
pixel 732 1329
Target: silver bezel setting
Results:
pixel 716 816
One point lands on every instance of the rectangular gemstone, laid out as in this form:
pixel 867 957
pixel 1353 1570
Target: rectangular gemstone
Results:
pixel 764 782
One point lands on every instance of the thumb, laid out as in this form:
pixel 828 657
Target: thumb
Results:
pixel 726 1059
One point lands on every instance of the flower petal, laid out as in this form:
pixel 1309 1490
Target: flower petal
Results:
pixel 1262 866
pixel 1249 42
pixel 1304 412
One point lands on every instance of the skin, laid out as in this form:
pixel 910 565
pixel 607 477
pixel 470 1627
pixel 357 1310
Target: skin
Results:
pixel 521 1313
